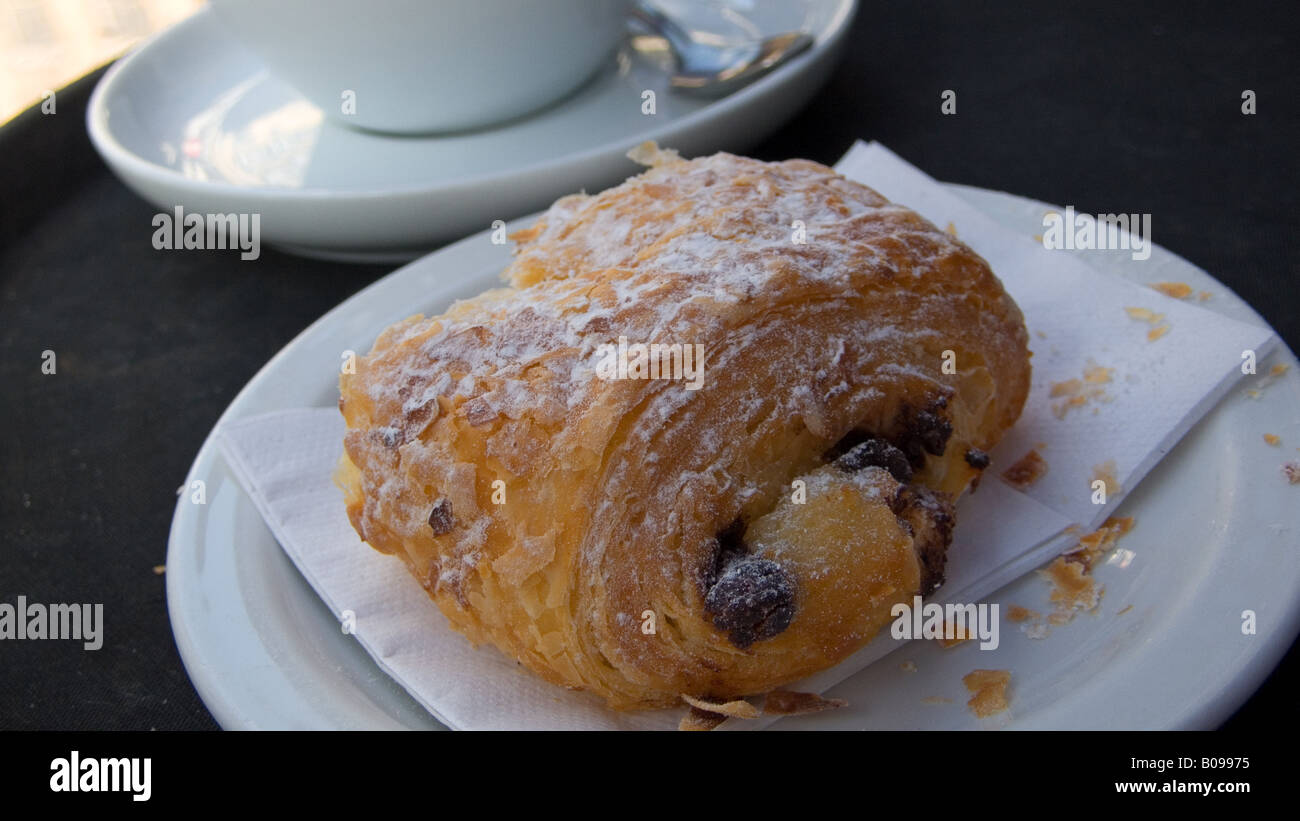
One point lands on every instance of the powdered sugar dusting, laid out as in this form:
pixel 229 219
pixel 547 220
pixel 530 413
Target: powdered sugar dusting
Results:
pixel 593 261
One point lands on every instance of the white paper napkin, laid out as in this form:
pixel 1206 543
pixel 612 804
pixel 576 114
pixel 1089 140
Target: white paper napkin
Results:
pixel 1158 390
pixel 1077 318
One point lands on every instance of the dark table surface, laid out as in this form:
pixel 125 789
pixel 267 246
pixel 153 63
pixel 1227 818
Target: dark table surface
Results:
pixel 1131 108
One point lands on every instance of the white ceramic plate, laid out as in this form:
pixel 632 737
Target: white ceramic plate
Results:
pixel 1216 535
pixel 193 119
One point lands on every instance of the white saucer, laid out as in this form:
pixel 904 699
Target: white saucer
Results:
pixel 1216 535
pixel 192 119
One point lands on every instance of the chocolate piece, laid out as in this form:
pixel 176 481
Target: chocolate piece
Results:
pixel 727 546
pixel 931 430
pixel 924 431
pixel 440 517
pixel 847 443
pixel 977 458
pixel 876 453
pixel 929 515
pixel 752 600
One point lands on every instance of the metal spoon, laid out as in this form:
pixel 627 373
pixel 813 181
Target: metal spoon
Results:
pixel 709 70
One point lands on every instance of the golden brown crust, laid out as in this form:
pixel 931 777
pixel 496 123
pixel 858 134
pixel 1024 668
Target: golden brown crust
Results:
pixel 615 490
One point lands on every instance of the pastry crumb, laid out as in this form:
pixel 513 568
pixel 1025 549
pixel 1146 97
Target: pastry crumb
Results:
pixel 989 691
pixel 649 153
pixel 1092 546
pixel 951 229
pixel 1291 471
pixel 1061 409
pixel 1202 296
pixel 1027 470
pixel 1017 614
pixel 1076 393
pixel 1276 372
pixel 790 703
pixel 1144 315
pixel 1096 374
pixel 1069 387
pixel 908 666
pixel 1105 473
pixel 1158 326
pixel 1125 610
pixel 159 569
pixel 1177 290
pixel 1273 439
pixel 1073 588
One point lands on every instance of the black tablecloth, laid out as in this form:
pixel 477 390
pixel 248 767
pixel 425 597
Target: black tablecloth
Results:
pixel 1121 109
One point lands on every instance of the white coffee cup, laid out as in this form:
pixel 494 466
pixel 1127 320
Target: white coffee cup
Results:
pixel 423 66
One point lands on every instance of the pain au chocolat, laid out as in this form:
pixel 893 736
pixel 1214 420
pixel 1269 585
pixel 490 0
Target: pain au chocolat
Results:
pixel 807 377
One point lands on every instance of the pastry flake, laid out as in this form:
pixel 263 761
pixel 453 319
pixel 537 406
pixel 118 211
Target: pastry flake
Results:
pixel 738 708
pixel 697 720
pixel 1073 589
pixel 1106 474
pixel 790 703
pixel 988 690
pixel 1078 392
pixel 1026 470
pixel 1017 614
pixel 1177 290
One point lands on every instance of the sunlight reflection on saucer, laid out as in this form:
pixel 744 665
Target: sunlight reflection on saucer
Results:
pixel 273 148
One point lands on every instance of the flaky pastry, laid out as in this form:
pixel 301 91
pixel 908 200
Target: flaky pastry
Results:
pixel 715 528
